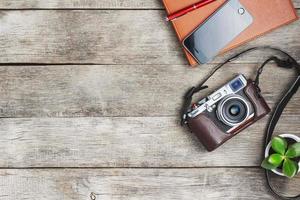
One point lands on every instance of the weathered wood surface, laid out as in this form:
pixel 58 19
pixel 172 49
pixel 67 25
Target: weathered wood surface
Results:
pixel 175 184
pixel 119 90
pixel 82 4
pixel 89 4
pixel 122 112
pixel 108 37
pixel 124 142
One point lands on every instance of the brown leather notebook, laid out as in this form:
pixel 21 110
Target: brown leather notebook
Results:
pixel 267 15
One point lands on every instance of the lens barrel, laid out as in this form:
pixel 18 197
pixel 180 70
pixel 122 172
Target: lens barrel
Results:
pixel 233 110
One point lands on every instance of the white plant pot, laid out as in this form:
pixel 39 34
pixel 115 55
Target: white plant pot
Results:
pixel 267 150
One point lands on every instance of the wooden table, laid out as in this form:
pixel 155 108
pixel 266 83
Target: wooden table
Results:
pixel 90 94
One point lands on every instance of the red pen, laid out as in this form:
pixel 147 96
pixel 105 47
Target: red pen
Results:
pixel 188 9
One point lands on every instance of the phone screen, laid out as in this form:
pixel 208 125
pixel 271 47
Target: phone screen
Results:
pixel 217 31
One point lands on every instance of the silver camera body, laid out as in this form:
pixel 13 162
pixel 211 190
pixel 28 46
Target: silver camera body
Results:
pixel 229 107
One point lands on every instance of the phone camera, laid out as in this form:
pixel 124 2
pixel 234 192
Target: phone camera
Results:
pixel 241 11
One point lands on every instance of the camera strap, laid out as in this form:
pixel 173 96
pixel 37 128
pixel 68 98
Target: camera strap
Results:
pixel 289 63
pixel 278 111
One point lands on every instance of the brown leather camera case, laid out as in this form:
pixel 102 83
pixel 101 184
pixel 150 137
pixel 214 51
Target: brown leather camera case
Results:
pixel 211 136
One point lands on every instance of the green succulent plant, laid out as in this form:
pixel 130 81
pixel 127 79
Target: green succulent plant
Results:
pixel 284 157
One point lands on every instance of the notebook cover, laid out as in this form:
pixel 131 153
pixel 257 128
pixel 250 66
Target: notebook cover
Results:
pixel 268 15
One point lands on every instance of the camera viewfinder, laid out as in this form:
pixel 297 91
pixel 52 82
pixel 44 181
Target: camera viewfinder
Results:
pixel 236 85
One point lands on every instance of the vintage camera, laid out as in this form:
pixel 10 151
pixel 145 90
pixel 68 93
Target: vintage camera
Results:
pixel 226 112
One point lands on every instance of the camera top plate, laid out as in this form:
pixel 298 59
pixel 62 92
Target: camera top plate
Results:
pixel 232 87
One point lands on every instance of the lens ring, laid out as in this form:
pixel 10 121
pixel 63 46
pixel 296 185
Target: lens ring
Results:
pixel 233 110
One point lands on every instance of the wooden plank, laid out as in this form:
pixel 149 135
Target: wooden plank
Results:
pixel 120 90
pixel 175 184
pixel 124 142
pixel 79 4
pixel 108 37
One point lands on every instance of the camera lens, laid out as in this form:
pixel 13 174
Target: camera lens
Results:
pixel 233 110
pixel 241 11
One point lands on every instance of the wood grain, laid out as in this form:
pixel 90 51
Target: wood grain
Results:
pixel 93 4
pixel 82 4
pixel 108 37
pixel 65 124
pixel 120 90
pixel 124 142
pixel 175 184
